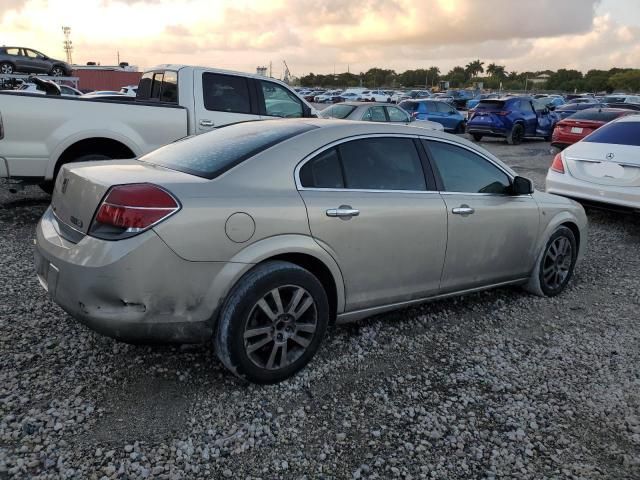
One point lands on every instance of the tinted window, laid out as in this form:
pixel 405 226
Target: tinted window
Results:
pixel 463 171
pixel 324 171
pixel 144 86
pixel 619 133
pixel 397 115
pixel 409 106
pixel 382 164
pixel 375 114
pixel 525 106
pixel 443 107
pixel 337 111
pixel 595 114
pixel 430 107
pixel 492 105
pixel 156 86
pixel 279 101
pixel 540 105
pixel 225 93
pixel 216 152
pixel 169 88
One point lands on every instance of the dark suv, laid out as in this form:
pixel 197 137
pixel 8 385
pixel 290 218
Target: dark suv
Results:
pixel 27 60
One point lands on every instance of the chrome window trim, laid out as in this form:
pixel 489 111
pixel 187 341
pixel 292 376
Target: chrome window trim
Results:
pixel 420 136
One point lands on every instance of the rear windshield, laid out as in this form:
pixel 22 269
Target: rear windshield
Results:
pixel 619 133
pixel 211 154
pixel 409 106
pixel 158 87
pixel 614 99
pixel 337 111
pixel 594 114
pixel 490 105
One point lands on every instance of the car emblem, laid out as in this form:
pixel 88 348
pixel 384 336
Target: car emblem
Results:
pixel 65 182
pixel 610 156
pixel 76 221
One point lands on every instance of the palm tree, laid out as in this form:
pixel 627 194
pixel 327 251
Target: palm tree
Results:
pixel 475 67
pixel 496 71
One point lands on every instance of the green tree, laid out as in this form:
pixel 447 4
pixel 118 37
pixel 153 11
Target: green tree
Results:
pixel 496 71
pixel 474 68
pixel 457 77
pixel 628 81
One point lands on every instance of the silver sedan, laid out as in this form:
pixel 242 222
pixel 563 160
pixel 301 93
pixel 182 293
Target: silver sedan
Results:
pixel 259 235
pixel 376 112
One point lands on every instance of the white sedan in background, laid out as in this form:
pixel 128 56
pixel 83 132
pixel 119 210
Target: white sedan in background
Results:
pixel 65 90
pixel 603 169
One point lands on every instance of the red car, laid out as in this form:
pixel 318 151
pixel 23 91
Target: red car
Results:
pixel 574 128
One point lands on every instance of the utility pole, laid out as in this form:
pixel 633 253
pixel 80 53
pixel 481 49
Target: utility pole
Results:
pixel 270 69
pixel 68 45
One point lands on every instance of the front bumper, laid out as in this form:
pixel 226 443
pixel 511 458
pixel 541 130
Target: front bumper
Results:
pixel 569 186
pixel 135 290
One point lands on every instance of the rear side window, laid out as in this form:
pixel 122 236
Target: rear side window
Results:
pixel 216 152
pixel 618 133
pixel 382 164
pixel 397 115
pixel 13 51
pixel 324 171
pixel 444 107
pixel 464 171
pixel 375 114
pixel 225 93
pixel 169 91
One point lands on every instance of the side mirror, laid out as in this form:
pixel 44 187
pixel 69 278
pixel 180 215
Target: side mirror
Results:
pixel 521 186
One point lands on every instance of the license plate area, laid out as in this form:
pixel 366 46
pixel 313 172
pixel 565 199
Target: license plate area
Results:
pixel 576 129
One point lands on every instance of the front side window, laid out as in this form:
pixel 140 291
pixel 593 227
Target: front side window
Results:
pixel 464 171
pixel 33 53
pixel 397 115
pixel 375 114
pixel 280 102
pixel 382 164
pixel 225 93
pixel 525 106
pixel 324 171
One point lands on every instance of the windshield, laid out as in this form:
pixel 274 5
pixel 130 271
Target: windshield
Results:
pixel 211 154
pixel 337 111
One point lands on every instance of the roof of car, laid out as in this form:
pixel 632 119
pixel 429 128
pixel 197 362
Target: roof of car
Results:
pixel 634 117
pixel 365 104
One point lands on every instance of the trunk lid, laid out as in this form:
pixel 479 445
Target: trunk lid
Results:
pixel 581 128
pixel 80 187
pixel 604 163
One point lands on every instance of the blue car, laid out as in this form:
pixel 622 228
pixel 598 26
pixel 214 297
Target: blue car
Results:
pixel 460 97
pixel 483 96
pixel 569 109
pixel 435 111
pixel 513 118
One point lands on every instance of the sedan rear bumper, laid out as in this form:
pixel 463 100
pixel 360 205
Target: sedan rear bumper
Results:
pixel 568 186
pixel 486 130
pixel 135 290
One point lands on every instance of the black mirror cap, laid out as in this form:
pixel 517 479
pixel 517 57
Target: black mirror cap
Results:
pixel 522 186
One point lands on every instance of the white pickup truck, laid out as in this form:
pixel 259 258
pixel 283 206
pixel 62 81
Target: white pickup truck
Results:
pixel 38 134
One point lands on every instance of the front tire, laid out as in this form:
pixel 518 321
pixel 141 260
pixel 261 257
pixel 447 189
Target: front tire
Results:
pixel 555 265
pixel 516 135
pixel 272 323
pixel 6 68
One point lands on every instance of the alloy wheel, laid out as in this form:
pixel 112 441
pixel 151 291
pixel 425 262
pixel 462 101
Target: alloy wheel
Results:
pixel 57 72
pixel 6 69
pixel 280 327
pixel 557 261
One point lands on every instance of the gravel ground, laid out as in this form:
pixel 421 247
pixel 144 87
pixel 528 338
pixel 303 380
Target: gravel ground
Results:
pixel 499 384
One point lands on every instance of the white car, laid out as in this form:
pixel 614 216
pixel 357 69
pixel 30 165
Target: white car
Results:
pixel 326 96
pixel 130 90
pixel 603 168
pixel 621 98
pixel 65 90
pixel 377 96
pixel 398 96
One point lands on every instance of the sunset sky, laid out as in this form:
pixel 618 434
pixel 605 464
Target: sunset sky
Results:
pixel 316 35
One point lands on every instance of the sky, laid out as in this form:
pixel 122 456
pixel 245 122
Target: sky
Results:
pixel 323 36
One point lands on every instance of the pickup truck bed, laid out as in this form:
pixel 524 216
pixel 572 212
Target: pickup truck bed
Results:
pixel 73 126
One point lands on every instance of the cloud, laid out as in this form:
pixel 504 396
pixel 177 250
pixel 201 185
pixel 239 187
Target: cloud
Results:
pixel 315 35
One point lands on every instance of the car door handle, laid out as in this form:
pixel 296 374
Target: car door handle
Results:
pixel 206 123
pixel 343 211
pixel 463 210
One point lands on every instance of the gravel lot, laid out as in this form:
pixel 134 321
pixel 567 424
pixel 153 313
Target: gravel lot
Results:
pixel 493 385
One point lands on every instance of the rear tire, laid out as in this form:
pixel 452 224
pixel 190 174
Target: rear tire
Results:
pixel 555 264
pixel 48 185
pixel 516 135
pixel 7 68
pixel 476 136
pixel 266 337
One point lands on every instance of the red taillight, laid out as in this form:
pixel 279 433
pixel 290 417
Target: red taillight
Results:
pixel 130 209
pixel 557 165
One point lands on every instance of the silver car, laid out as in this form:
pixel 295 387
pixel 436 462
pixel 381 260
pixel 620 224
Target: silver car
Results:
pixel 603 169
pixel 261 234
pixel 376 112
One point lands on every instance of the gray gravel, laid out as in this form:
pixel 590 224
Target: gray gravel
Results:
pixel 493 385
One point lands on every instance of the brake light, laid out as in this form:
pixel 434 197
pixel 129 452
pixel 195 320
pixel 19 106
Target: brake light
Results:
pixel 557 165
pixel 128 210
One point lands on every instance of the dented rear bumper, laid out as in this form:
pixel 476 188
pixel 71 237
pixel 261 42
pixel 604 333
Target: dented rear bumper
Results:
pixel 136 290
